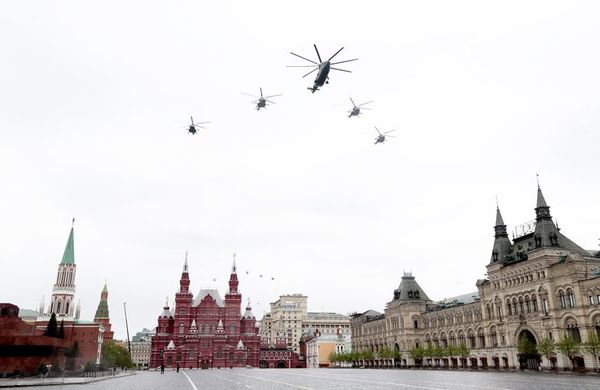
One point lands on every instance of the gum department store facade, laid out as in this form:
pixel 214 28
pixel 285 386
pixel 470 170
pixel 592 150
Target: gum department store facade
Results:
pixel 540 285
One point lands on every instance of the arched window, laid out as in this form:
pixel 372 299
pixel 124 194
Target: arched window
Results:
pixel 527 307
pixel 509 308
pixel 493 337
pixel 58 306
pixel 452 339
pixel 461 338
pixel 232 328
pixel 561 299
pixel 472 343
pixel 521 310
pixel 573 330
pixel 481 337
pixel 181 328
pixel 514 305
pixel 534 303
pixel 488 310
pixel 570 298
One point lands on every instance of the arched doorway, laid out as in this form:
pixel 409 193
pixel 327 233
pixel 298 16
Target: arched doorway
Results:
pixel 281 364
pixel 263 364
pixel 529 357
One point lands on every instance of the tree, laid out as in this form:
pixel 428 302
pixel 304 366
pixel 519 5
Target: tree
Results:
pixel 547 347
pixel 569 347
pixel 115 355
pixel 429 352
pixel 61 330
pixel 527 347
pixel 463 352
pixel 438 353
pixel 592 346
pixel 52 328
pixel 417 353
pixel 71 354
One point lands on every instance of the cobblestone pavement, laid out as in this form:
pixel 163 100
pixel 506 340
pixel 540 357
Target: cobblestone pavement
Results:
pixel 343 379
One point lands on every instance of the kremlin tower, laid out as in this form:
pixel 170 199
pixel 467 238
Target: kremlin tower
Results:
pixel 102 316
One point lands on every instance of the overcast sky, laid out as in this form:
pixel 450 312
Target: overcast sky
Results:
pixel 94 100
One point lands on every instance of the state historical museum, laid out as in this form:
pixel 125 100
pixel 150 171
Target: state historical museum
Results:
pixel 206 331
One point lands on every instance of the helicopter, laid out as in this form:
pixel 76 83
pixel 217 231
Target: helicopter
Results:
pixel 323 68
pixel 192 127
pixel 261 101
pixel 355 111
pixel 382 136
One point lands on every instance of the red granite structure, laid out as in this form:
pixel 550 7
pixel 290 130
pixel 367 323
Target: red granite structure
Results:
pixel 206 331
pixel 23 345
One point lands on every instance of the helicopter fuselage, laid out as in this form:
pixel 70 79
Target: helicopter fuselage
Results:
pixel 380 139
pixel 322 76
pixel 192 129
pixel 261 103
pixel 355 111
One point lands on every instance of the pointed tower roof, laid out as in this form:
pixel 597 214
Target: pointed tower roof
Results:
pixel 502 243
pixel 102 310
pixel 499 220
pixel 185 264
pixel 69 255
pixel 409 290
pixel 248 314
pixel 541 202
pixel 233 267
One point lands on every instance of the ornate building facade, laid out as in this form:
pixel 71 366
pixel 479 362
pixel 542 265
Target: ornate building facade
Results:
pixel 539 285
pixel 206 331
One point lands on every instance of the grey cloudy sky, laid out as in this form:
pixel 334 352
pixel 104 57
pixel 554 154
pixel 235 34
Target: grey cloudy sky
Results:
pixel 94 99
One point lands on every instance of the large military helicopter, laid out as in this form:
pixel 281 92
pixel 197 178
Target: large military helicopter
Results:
pixel 355 111
pixel 261 101
pixel 382 136
pixel 323 68
pixel 192 127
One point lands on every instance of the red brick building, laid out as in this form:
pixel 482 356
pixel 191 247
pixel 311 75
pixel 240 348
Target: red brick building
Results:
pixel 206 331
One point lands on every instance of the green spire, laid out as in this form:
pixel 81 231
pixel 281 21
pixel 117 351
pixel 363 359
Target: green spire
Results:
pixel 69 255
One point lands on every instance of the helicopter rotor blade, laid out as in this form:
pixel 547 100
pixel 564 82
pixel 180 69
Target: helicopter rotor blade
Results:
pixel 341 62
pixel 354 104
pixel 247 94
pixel 302 66
pixel 270 101
pixel 304 58
pixel 390 136
pixel 378 130
pixel 363 108
pixel 343 70
pixel 370 101
pixel 389 131
pixel 272 96
pixel 309 72
pixel 336 53
pixel 318 55
pixel 261 95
